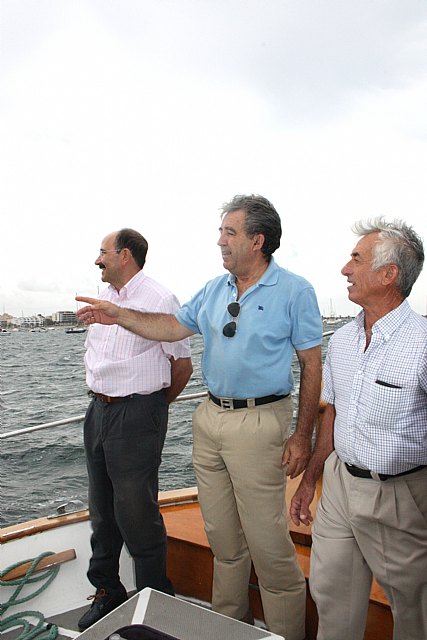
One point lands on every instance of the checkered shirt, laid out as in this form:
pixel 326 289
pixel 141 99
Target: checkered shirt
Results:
pixel 380 395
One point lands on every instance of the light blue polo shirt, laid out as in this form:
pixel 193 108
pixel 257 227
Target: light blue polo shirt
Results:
pixel 277 315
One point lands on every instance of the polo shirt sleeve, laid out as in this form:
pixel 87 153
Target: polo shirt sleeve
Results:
pixel 307 325
pixel 188 313
pixel 180 349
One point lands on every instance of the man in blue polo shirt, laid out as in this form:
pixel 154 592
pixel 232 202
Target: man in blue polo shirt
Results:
pixel 252 321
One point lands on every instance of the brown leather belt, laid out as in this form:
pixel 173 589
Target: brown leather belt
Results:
pixel 365 473
pixel 232 403
pixel 110 399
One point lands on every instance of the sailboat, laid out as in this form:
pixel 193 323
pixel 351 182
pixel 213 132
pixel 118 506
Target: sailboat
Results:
pixel 332 318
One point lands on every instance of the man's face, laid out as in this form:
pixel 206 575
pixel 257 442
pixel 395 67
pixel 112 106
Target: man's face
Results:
pixel 109 260
pixel 236 248
pixel 365 284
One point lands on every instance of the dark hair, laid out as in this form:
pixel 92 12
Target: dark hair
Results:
pixel 261 217
pixel 399 245
pixel 135 242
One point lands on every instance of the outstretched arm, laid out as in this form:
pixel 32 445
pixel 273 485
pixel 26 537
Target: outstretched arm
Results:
pixel 298 448
pixel 300 503
pixel 153 326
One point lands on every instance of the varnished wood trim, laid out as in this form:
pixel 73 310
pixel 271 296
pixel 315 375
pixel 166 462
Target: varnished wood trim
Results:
pixel 31 527
pixel 16 531
pixel 177 496
pixel 45 563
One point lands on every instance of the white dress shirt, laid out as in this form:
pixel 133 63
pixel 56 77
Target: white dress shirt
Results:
pixel 118 362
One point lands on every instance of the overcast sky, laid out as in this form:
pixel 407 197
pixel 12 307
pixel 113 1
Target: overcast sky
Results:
pixel 151 113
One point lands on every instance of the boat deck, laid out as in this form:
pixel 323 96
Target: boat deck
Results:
pixel 185 528
pixel 190 563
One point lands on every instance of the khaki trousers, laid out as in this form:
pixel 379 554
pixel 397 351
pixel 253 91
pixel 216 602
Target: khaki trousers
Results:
pixel 367 527
pixel 237 459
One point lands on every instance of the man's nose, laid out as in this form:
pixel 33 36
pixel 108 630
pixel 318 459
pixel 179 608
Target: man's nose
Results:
pixel 346 269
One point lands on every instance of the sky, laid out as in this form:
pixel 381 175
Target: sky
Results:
pixel 152 113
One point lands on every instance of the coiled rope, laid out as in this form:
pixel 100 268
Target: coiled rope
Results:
pixel 41 629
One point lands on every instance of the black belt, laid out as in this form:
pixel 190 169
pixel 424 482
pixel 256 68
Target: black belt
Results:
pixel 365 473
pixel 110 399
pixel 232 403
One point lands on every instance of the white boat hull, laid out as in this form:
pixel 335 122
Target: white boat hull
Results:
pixel 71 588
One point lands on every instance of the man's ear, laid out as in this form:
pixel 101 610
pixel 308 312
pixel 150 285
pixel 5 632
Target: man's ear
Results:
pixel 391 273
pixel 259 240
pixel 126 254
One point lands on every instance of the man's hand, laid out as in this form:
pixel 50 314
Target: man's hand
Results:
pixel 101 311
pixel 297 454
pixel 300 503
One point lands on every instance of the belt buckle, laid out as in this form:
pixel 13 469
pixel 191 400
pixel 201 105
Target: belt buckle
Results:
pixel 226 403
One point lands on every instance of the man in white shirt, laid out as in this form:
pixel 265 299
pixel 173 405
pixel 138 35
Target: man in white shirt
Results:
pixel 372 447
pixel 132 381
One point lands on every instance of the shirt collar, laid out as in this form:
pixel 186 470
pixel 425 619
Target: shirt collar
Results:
pixel 129 288
pixel 268 278
pixel 388 324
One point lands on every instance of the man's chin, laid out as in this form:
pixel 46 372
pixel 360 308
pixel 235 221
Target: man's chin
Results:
pixel 353 297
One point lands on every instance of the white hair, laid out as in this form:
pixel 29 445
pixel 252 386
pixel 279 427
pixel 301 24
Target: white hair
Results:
pixel 399 245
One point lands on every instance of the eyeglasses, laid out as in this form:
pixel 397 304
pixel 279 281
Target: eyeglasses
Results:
pixel 229 330
pixel 102 252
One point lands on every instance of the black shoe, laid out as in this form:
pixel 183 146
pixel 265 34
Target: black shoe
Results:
pixel 103 602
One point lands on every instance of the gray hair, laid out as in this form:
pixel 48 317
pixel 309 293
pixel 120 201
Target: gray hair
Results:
pixel 399 245
pixel 261 217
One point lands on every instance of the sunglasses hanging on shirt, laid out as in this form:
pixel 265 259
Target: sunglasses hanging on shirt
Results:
pixel 229 330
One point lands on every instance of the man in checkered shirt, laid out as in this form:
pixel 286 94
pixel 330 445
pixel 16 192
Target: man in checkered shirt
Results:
pixel 372 447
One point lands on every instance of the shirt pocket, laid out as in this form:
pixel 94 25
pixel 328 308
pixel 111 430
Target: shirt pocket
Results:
pixel 389 404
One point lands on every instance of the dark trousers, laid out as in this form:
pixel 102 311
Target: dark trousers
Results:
pixel 123 443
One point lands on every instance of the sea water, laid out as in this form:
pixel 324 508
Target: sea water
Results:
pixel 42 379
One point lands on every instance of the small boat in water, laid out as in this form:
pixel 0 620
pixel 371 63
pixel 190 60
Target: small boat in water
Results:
pixel 4 332
pixel 63 540
pixel 76 330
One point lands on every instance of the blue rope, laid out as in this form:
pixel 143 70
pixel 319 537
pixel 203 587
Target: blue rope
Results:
pixel 41 629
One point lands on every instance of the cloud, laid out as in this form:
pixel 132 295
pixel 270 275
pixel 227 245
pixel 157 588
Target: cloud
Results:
pixel 308 59
pixel 150 114
pixel 38 286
